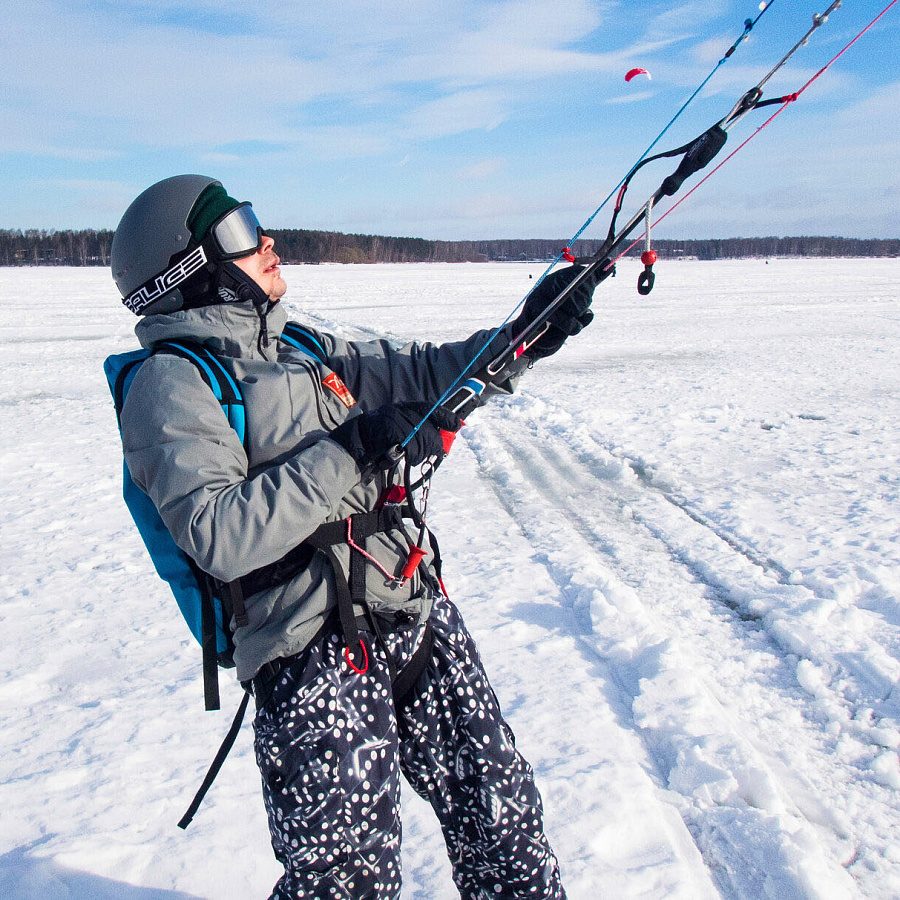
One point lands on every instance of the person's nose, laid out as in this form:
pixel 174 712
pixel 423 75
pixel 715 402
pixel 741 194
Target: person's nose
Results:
pixel 267 244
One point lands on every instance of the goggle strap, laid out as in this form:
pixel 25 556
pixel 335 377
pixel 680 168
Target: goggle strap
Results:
pixel 164 283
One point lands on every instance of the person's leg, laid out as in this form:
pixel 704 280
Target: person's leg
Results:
pixel 459 754
pixel 326 746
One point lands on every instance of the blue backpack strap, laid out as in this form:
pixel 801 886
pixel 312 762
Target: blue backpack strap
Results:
pixel 304 339
pixel 227 392
pixel 217 377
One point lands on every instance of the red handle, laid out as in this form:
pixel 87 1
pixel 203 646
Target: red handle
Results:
pixel 448 437
pixel 416 554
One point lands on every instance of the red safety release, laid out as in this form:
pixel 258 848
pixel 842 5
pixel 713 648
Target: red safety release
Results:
pixel 416 555
pixel 567 254
pixel 396 493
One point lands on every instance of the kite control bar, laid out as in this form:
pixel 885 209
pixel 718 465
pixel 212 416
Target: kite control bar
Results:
pixel 696 156
pixel 463 396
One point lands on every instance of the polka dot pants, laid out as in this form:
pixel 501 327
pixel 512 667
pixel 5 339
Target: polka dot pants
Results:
pixel 331 749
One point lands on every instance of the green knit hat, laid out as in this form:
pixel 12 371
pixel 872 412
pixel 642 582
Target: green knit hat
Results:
pixel 211 205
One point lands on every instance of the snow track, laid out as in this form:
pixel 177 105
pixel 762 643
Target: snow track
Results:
pixel 680 612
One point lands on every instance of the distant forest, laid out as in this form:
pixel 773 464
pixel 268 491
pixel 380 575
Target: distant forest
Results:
pixel 294 245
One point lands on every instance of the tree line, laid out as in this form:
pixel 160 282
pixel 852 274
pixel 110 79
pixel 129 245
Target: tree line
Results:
pixel 295 245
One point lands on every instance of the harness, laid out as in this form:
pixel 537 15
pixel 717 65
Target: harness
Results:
pixel 353 612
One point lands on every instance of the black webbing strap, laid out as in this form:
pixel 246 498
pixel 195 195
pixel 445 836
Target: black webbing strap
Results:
pixel 352 591
pixel 296 560
pixel 357 563
pixel 346 613
pixel 363 525
pixel 436 560
pixel 238 609
pixel 412 671
pixel 210 651
pixel 278 572
pixel 216 764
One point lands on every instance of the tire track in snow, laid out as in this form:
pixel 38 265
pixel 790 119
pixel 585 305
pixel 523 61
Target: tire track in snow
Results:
pixel 741 546
pixel 745 804
pixel 861 679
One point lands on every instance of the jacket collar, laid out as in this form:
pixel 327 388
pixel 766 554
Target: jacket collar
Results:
pixel 230 329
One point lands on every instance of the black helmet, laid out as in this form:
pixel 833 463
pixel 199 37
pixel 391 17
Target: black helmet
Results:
pixel 178 227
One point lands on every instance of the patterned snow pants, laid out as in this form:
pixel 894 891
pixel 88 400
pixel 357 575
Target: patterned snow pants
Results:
pixel 331 748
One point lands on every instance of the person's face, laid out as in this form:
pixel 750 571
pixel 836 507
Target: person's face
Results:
pixel 262 267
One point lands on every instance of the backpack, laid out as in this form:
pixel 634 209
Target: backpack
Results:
pixel 205 608
pixel 206 604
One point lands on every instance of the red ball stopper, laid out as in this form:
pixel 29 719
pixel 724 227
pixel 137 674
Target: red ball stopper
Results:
pixel 648 257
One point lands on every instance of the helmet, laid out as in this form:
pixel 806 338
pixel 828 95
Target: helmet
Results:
pixel 178 228
pixel 153 230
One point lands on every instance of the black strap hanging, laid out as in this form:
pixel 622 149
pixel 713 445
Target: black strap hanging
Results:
pixel 216 764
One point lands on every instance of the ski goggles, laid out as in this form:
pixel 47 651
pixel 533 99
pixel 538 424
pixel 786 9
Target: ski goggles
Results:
pixel 236 234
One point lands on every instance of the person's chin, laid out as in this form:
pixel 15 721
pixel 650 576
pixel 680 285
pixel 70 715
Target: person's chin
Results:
pixel 279 289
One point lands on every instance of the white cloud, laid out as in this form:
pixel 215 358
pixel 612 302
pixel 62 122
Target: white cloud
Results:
pixel 126 81
pixel 478 171
pixel 160 86
pixel 287 88
pixel 686 18
pixel 629 98
pixel 455 113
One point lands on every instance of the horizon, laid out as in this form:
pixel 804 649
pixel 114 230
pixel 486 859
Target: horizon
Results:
pixel 464 240
pixel 454 119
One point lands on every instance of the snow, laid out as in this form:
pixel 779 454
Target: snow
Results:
pixel 676 546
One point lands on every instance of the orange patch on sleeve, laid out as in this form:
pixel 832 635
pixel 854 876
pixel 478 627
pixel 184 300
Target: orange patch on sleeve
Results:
pixel 334 383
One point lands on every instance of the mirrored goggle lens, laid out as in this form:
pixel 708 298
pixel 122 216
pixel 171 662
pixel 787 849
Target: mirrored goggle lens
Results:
pixel 238 232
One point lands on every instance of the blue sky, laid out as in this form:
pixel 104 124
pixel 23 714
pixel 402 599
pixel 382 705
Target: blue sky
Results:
pixel 450 119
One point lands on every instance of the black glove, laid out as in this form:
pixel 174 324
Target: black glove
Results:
pixel 567 319
pixel 369 437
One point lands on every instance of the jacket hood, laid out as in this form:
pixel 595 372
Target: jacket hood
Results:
pixel 231 329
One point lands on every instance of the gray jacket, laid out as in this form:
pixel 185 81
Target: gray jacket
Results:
pixel 233 511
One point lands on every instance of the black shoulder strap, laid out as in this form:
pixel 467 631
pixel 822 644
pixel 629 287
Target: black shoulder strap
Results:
pixel 415 666
pixel 304 339
pixel 209 641
pixel 120 386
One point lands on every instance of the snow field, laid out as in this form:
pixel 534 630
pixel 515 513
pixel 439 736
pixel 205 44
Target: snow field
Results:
pixel 676 546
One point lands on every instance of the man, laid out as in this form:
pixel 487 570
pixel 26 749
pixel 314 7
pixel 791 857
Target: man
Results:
pixel 306 515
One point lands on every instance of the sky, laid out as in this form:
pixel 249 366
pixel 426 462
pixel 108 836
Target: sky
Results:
pixel 444 119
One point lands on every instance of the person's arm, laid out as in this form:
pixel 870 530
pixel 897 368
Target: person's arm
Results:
pixel 181 451
pixel 379 372
pixel 382 372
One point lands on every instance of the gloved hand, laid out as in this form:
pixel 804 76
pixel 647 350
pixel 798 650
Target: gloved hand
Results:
pixel 567 319
pixel 369 437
